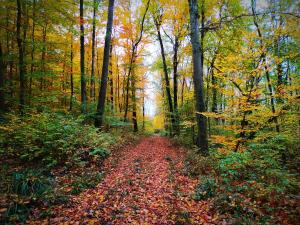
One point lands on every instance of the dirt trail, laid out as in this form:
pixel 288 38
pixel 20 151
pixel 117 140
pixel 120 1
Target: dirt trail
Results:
pixel 147 186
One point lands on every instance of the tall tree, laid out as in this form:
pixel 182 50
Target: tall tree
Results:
pixel 82 77
pixel 21 58
pixel 134 47
pixel 202 141
pixel 102 91
pixel 2 102
pixel 71 75
pixel 157 22
pixel 32 50
pixel 92 91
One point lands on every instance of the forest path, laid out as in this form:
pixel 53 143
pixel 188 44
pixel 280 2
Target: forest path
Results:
pixel 146 186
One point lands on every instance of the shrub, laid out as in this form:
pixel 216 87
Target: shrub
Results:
pixel 31 183
pixel 100 152
pixel 85 181
pixel 27 188
pixel 205 189
pixel 50 138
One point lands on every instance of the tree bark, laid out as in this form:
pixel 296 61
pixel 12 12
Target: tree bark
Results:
pixel 32 51
pixel 21 59
pixel 263 56
pixel 2 100
pixel 102 91
pixel 71 75
pixel 133 97
pixel 202 141
pixel 43 69
pixel 111 81
pixel 175 89
pixel 82 76
pixel 132 59
pixel 92 88
pixel 165 69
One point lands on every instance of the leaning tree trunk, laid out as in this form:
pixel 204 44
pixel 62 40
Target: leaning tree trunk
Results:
pixel 202 141
pixel 168 90
pixel 102 91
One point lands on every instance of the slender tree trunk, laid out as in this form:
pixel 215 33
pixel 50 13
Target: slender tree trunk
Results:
pixel 263 56
pixel 165 69
pixel 202 141
pixel 214 81
pixel 111 81
pixel 2 97
pixel 279 70
pixel 133 96
pixel 82 76
pixel 21 59
pixel 102 91
pixel 132 59
pixel 182 91
pixel 92 88
pixel 143 110
pixel 175 89
pixel 32 51
pixel 43 57
pixel 71 75
pixel 63 84
pixel 128 81
pixel 118 85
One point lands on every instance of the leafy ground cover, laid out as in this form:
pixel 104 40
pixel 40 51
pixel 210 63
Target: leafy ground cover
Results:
pixel 148 185
pixel 47 159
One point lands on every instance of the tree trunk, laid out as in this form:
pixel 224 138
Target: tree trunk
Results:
pixel 111 81
pixel 133 97
pixel 263 56
pixel 21 59
pixel 182 91
pixel 71 75
pixel 82 77
pixel 202 141
pixel 128 81
pixel 102 91
pixel 2 100
pixel 118 86
pixel 92 88
pixel 32 51
pixel 175 89
pixel 43 57
pixel 165 69
pixel 132 59
pixel 143 110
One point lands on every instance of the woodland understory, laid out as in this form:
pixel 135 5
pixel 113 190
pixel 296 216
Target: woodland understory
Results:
pixel 158 112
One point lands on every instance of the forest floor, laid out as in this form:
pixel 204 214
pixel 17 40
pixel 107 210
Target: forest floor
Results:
pixel 144 184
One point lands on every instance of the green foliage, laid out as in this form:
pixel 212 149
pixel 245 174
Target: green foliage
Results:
pixel 50 138
pixel 85 181
pixel 243 184
pixel 205 189
pixel 100 152
pixel 28 187
pixel 31 183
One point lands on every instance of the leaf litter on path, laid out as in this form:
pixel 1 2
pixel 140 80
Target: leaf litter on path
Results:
pixel 146 186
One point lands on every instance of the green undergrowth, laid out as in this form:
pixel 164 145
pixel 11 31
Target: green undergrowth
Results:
pixel 47 157
pixel 259 185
